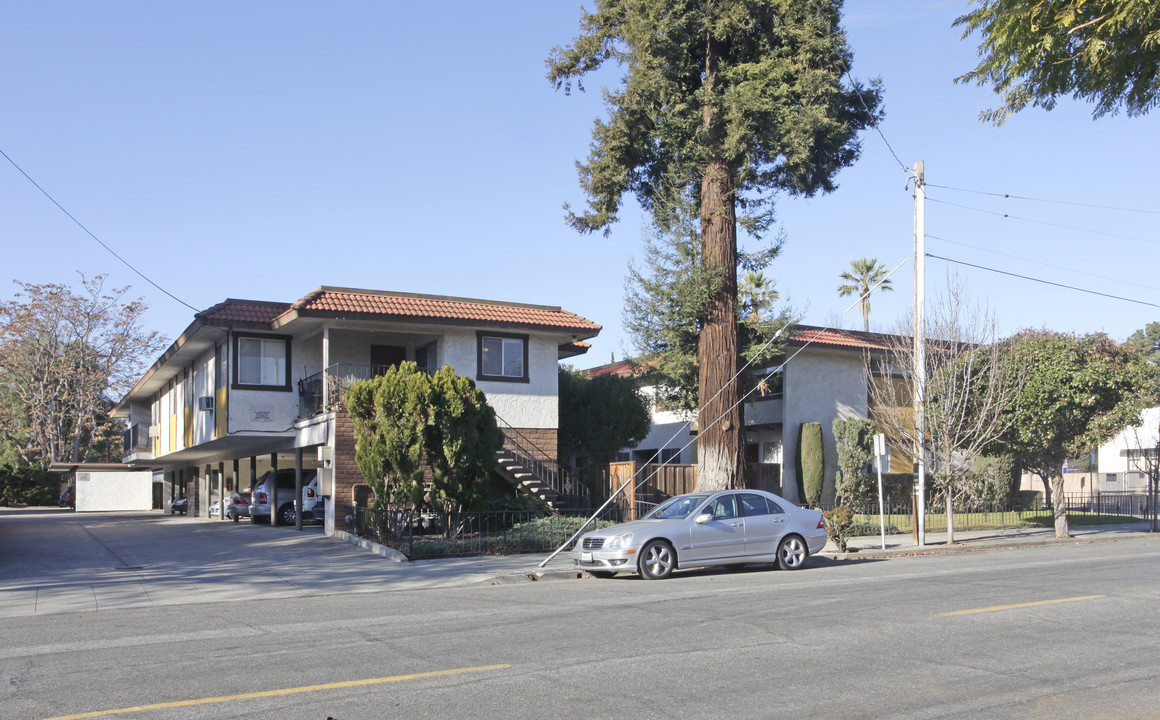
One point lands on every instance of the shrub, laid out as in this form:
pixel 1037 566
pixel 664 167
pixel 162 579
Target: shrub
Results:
pixel 854 482
pixel 811 462
pixel 840 525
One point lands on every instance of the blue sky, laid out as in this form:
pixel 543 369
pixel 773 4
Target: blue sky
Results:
pixel 258 150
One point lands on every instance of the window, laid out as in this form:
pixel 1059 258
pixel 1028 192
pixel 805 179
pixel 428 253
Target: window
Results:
pixel 722 508
pixel 425 358
pixel 261 362
pixel 753 504
pixel 503 357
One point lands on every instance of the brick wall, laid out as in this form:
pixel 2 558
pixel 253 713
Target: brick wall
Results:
pixel 544 440
pixel 348 479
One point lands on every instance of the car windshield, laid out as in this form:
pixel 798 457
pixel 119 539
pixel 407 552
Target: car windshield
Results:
pixel 676 508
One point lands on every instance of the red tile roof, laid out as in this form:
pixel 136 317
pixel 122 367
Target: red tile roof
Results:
pixel 328 301
pixel 242 311
pixel 803 334
pixel 620 367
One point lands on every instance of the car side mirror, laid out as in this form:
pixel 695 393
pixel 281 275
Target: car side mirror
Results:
pixel 702 518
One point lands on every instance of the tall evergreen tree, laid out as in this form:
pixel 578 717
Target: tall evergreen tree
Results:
pixel 726 101
pixel 665 306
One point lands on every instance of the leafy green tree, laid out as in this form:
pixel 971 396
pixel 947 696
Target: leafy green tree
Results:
pixel 723 102
pixel 863 275
pixel 1147 341
pixel 28 486
pixel 462 441
pixel 391 414
pixel 1032 52
pixel 1079 392
pixel 600 415
pixel 855 483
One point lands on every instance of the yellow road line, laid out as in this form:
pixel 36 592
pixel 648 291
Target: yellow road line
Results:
pixel 275 693
pixel 1020 605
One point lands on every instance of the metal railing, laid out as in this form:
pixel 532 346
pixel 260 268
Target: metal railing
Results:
pixel 338 379
pixel 137 438
pixel 1082 508
pixel 575 494
pixel 424 535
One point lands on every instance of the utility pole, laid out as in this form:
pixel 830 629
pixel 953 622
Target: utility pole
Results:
pixel 920 342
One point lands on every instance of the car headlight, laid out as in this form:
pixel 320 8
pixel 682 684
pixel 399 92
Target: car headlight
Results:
pixel 619 542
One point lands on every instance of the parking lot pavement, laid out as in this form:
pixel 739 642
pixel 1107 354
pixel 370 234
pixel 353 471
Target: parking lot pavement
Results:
pixel 64 562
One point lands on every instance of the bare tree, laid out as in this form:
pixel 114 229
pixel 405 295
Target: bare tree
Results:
pixel 970 386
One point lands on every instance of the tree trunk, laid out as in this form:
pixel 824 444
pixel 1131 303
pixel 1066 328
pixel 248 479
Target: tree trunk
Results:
pixel 1046 490
pixel 719 440
pixel 1060 507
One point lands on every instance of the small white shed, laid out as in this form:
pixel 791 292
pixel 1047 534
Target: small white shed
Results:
pixel 109 487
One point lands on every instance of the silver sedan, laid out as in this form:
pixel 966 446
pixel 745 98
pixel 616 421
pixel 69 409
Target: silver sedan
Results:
pixel 732 527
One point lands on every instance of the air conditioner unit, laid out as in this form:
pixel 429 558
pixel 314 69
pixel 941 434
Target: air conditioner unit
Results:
pixel 205 402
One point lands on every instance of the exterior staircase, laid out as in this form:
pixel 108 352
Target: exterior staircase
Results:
pixel 519 462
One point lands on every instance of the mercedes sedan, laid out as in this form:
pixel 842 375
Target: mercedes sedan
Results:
pixel 732 527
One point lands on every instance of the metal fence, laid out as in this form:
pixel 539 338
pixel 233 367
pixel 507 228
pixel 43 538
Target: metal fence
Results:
pixel 1082 509
pixel 424 535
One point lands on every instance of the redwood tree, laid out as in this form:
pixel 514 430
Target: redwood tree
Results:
pixel 728 101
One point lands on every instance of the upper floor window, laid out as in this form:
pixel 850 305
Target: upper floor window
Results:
pixel 503 357
pixel 261 362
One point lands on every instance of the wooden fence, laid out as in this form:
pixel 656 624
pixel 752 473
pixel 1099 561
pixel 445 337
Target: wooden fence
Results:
pixel 654 483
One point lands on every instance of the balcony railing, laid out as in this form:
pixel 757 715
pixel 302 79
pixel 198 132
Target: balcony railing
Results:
pixel 137 438
pixel 338 379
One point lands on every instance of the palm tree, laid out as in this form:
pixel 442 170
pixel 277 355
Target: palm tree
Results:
pixel 755 293
pixel 864 274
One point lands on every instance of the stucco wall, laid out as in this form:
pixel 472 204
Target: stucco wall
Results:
pixel 820 386
pixel 114 491
pixel 533 404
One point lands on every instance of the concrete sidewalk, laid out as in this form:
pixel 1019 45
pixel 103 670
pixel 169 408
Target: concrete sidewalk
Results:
pixel 57 562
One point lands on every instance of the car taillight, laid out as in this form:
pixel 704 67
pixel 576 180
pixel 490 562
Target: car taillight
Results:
pixel 822 523
pixel 309 492
pixel 260 498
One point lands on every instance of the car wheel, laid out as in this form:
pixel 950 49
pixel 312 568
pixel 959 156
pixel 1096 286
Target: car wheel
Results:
pixel 286 514
pixel 792 553
pixel 602 574
pixel 657 560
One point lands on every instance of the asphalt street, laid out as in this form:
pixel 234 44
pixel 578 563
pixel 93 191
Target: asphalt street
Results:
pixel 1006 629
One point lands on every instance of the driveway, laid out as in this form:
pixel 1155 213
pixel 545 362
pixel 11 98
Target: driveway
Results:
pixel 55 561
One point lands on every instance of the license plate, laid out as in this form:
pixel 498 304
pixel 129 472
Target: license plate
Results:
pixel 585 557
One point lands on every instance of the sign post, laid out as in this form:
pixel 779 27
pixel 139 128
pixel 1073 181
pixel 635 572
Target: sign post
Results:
pixel 879 454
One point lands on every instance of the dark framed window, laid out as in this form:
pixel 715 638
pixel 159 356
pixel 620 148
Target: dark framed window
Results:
pixel 261 362
pixel 502 357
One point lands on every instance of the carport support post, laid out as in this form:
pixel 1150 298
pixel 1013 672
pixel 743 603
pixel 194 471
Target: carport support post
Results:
pixel 222 490
pixel 297 488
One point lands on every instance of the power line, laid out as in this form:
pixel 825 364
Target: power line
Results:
pixel 90 234
pixel 1045 282
pixel 1008 196
pixel 1044 222
pixel 1040 262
